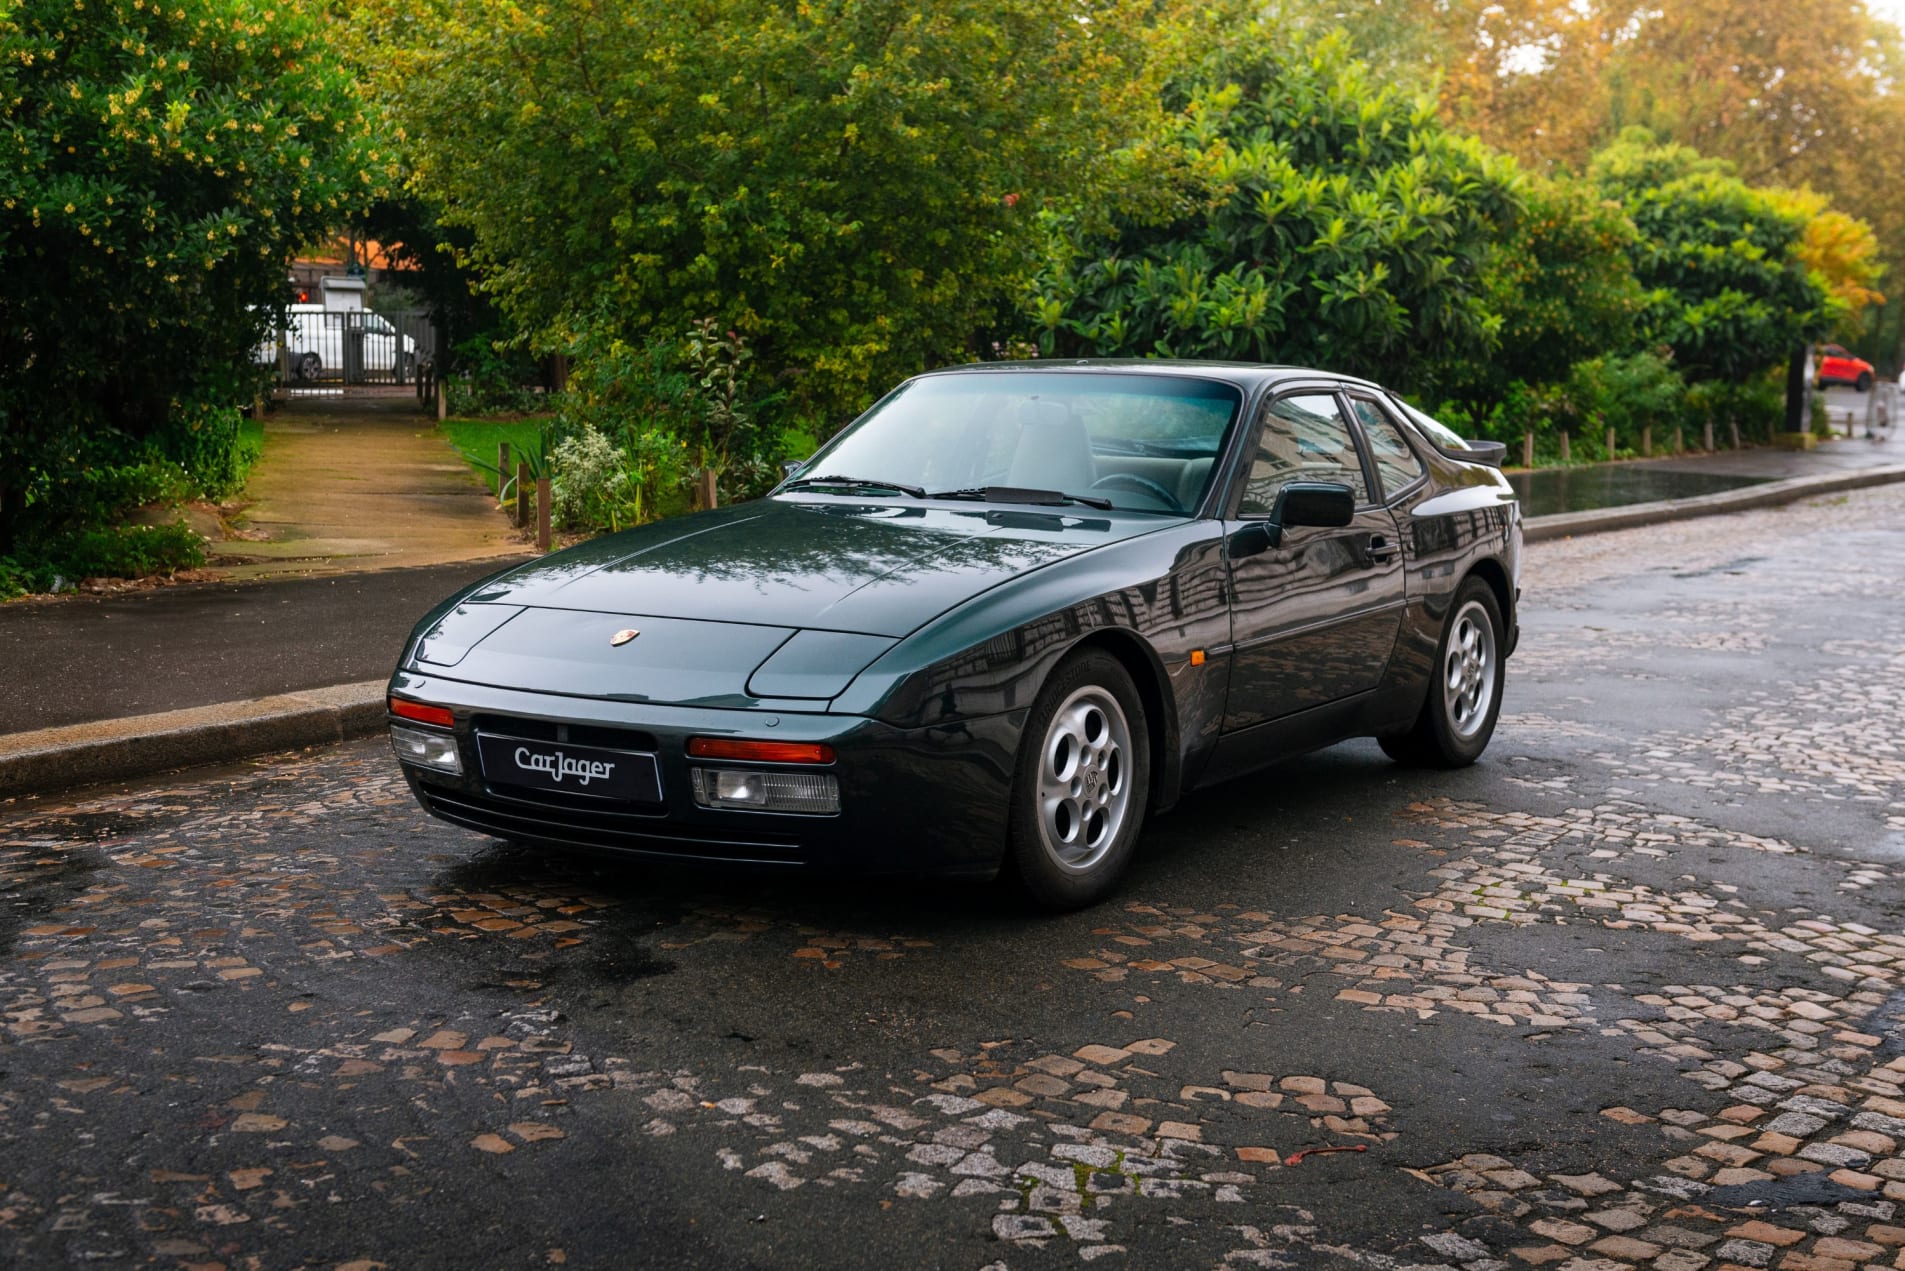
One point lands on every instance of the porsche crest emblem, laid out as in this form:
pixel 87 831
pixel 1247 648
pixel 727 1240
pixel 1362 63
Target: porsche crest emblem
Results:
pixel 623 636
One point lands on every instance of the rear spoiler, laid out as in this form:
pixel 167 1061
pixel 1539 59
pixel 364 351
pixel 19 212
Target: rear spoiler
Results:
pixel 1489 452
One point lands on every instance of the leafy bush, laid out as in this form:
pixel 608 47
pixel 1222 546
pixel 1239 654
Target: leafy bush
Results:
pixel 1626 394
pixel 130 551
pixel 1758 406
pixel 490 376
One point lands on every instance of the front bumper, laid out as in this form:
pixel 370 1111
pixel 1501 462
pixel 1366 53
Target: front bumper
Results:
pixel 928 801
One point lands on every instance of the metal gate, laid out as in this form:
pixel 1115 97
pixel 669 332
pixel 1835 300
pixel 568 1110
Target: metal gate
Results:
pixel 333 350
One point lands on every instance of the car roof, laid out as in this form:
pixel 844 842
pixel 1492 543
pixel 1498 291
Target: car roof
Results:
pixel 1243 375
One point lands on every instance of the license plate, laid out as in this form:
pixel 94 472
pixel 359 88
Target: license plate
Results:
pixel 626 775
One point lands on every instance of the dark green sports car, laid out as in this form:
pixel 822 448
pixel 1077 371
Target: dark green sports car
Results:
pixel 1010 611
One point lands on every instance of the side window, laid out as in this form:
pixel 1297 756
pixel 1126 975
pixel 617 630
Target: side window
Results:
pixel 1396 464
pixel 1304 438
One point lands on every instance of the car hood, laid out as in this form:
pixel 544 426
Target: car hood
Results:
pixel 781 598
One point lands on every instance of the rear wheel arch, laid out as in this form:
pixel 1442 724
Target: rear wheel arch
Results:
pixel 1490 571
pixel 1147 673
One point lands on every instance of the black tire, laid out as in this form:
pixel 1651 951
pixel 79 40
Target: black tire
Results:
pixel 1864 383
pixel 1436 739
pixel 308 366
pixel 1113 781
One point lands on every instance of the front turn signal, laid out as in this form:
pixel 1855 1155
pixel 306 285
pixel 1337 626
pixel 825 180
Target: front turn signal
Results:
pixel 438 715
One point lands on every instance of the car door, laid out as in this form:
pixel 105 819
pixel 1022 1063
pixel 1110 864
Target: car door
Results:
pixel 1313 618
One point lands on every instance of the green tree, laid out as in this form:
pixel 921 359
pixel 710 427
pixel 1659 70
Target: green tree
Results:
pixel 1311 214
pixel 160 165
pixel 1732 295
pixel 851 184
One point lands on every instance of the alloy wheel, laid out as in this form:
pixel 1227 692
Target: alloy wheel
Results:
pixel 1084 779
pixel 1468 670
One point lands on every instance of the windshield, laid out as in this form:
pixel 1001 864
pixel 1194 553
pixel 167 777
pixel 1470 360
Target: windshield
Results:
pixel 1142 442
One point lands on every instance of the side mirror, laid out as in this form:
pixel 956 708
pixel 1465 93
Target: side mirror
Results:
pixel 791 466
pixel 1327 504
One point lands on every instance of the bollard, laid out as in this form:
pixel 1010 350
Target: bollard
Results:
pixel 1679 439
pixel 1528 449
pixel 1733 431
pixel 1647 441
pixel 1708 436
pixel 502 469
pixel 1564 445
pixel 1610 443
pixel 522 495
pixel 705 488
pixel 542 515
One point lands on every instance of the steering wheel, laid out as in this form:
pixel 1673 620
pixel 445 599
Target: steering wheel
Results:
pixel 1146 485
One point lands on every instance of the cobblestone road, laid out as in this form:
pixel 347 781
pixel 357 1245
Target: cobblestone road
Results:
pixel 1630 993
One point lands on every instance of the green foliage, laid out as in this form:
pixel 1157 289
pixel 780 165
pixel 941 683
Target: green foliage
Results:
pixel 1562 282
pixel 1729 293
pixel 599 485
pixel 1315 216
pixel 1757 404
pixel 493 376
pixel 1626 394
pixel 70 532
pixel 850 183
pixel 158 165
pixel 131 551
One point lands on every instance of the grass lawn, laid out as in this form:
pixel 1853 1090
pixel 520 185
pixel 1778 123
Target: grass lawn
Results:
pixel 476 440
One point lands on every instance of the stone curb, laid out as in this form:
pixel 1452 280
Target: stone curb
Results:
pixel 121 749
pixel 1536 529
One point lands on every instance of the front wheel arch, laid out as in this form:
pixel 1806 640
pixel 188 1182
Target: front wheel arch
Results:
pixel 1146 669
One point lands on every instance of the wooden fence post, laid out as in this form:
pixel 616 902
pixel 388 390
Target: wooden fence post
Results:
pixel 1708 436
pixel 1733 428
pixel 522 495
pixel 1610 443
pixel 502 468
pixel 705 489
pixel 542 515
pixel 1564 446
pixel 1528 449
pixel 1679 439
pixel 1647 441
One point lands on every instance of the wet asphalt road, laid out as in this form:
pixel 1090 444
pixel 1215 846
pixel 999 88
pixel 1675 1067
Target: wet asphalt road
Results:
pixel 1631 992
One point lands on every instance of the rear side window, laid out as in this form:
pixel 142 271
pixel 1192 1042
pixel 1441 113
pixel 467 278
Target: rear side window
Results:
pixel 1397 465
pixel 1304 438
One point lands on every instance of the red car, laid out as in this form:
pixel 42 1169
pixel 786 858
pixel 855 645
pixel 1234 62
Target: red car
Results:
pixel 1836 366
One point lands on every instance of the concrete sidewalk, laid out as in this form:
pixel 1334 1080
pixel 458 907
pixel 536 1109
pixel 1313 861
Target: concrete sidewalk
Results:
pixel 350 483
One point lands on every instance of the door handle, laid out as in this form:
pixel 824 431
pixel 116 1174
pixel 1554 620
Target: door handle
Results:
pixel 1379 549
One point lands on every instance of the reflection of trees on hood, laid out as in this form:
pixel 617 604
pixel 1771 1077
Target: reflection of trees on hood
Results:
pixel 780 543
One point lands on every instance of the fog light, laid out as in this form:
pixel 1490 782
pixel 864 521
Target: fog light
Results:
pixel 809 792
pixel 426 750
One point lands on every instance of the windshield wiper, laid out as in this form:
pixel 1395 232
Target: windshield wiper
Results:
pixel 856 483
pixel 1018 494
